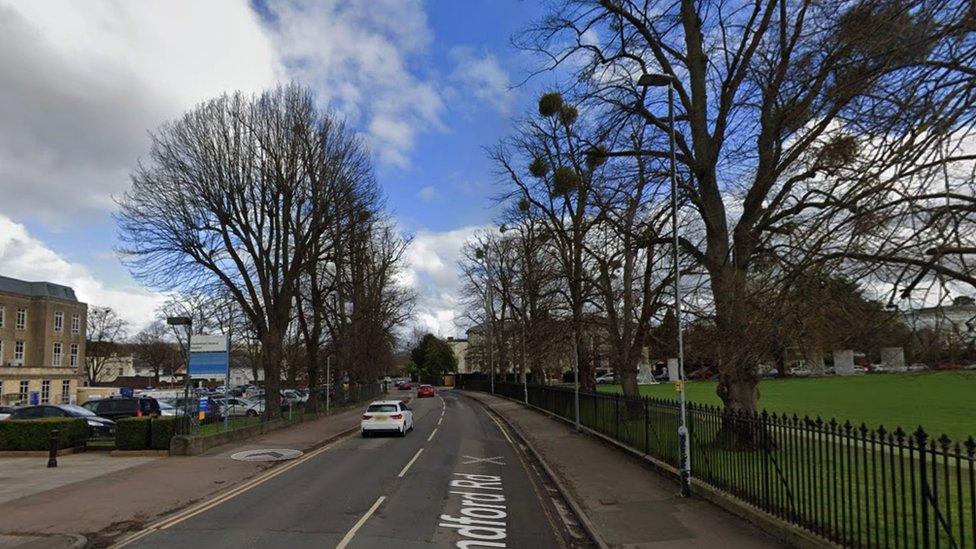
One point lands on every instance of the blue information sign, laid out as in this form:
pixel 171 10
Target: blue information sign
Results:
pixel 126 392
pixel 204 404
pixel 209 358
pixel 35 398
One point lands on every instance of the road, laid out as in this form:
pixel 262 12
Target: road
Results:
pixel 456 480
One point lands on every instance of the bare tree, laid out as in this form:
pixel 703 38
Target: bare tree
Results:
pixel 559 184
pixel 153 348
pixel 106 331
pixel 791 114
pixel 232 192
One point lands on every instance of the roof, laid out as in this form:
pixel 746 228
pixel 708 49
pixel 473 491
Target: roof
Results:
pixel 36 289
pixel 385 402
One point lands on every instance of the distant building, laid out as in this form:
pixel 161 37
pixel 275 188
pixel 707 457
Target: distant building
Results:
pixel 955 323
pixel 116 367
pixel 460 348
pixel 42 341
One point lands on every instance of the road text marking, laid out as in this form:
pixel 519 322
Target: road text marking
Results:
pixel 359 524
pixel 407 466
pixel 482 515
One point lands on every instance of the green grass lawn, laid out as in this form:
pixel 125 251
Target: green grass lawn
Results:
pixel 942 402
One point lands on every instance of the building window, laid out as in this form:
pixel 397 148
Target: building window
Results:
pixel 45 391
pixel 21 319
pixel 1 356
pixel 2 315
pixel 56 359
pixel 58 321
pixel 65 391
pixel 74 355
pixel 19 351
pixel 75 323
pixel 24 391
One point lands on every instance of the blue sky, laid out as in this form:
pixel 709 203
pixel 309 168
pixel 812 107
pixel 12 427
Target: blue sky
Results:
pixel 429 84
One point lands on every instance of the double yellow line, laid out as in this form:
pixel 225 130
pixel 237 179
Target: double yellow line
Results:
pixel 195 510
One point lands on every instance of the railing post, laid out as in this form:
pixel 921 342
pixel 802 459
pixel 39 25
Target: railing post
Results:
pixel 764 443
pixel 923 485
pixel 52 458
pixel 616 414
pixel 647 428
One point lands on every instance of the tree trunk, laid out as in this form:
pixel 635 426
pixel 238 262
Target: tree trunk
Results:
pixel 271 352
pixel 737 361
pixel 313 378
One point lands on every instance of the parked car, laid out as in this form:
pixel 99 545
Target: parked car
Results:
pixel 606 379
pixel 116 408
pixel 98 427
pixel 167 410
pixel 404 386
pixel 387 416
pixel 239 407
pixel 5 412
pixel 426 391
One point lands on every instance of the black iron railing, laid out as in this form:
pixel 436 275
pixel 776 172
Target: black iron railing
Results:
pixel 849 484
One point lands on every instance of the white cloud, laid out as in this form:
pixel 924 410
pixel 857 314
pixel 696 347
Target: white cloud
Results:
pixel 432 270
pixel 428 193
pixel 27 258
pixel 359 56
pixel 83 82
pixel 482 76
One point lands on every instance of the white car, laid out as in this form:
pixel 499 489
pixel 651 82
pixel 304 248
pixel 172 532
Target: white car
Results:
pixel 606 379
pixel 387 416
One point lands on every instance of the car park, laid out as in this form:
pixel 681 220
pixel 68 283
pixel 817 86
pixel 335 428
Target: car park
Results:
pixel 426 391
pixel 387 416
pixel 116 408
pixel 98 427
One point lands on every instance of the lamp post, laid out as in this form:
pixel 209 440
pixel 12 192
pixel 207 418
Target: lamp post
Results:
pixel 184 321
pixel 664 80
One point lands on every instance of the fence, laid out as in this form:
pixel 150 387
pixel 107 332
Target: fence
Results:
pixel 222 412
pixel 851 485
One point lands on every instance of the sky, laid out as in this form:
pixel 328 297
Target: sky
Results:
pixel 429 84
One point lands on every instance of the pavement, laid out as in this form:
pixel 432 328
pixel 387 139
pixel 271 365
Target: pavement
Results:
pixel 26 476
pixel 626 503
pixel 457 477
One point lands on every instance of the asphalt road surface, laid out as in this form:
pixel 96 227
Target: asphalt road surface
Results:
pixel 456 480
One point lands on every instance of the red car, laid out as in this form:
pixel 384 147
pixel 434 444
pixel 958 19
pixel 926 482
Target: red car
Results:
pixel 426 391
pixel 405 386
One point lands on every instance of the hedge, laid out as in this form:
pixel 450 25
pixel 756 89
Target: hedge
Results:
pixel 162 430
pixel 132 433
pixel 35 434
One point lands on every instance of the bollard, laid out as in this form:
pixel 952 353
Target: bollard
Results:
pixel 52 460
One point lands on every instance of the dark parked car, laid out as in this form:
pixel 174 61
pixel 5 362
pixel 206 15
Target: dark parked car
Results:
pixel 98 427
pixel 117 408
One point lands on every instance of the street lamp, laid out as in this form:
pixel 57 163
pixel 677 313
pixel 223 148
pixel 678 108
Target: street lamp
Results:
pixel 651 80
pixel 188 322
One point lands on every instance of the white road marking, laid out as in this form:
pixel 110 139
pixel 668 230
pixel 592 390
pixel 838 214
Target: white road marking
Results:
pixel 493 460
pixel 432 433
pixel 407 466
pixel 502 429
pixel 439 421
pixel 359 524
pixel 206 505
